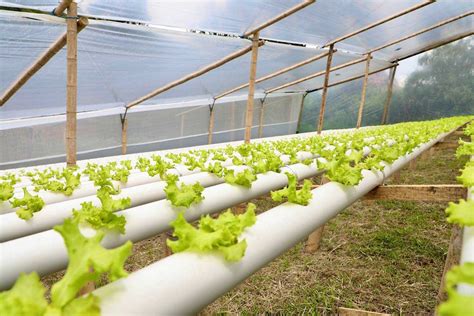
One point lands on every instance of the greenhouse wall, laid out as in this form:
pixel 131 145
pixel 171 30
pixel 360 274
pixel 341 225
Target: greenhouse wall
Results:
pixel 42 140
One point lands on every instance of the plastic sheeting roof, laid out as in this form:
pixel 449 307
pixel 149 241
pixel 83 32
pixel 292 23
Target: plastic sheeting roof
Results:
pixel 119 62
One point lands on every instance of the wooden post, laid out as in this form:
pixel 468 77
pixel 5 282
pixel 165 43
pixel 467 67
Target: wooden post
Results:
pixel 250 99
pixel 325 89
pixel 124 121
pixel 40 62
pixel 62 6
pixel 300 113
pixel 261 118
pixel 364 91
pixel 211 124
pixel 71 91
pixel 314 239
pixel 389 95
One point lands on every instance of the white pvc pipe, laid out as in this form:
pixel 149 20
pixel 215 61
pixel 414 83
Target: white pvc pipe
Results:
pixel 12 227
pixel 45 252
pixel 184 283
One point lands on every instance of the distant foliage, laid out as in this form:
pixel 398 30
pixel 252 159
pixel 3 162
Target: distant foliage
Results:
pixel 441 87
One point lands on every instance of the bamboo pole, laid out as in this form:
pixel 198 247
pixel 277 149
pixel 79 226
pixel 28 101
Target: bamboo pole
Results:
pixel 435 26
pixel 379 22
pixel 71 91
pixel 279 17
pixel 211 124
pixel 276 73
pixel 325 90
pixel 250 99
pixel 193 75
pixel 354 78
pixel 124 121
pixel 364 91
pixel 317 74
pixel 262 114
pixel 436 45
pixel 62 6
pixel 389 95
pixel 40 62
pixel 300 113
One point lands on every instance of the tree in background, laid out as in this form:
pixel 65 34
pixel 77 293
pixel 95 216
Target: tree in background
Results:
pixel 442 86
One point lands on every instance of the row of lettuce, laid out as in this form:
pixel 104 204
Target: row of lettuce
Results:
pixel 461 213
pixel 342 156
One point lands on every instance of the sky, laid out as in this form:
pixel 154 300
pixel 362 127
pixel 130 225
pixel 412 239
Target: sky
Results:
pixel 405 68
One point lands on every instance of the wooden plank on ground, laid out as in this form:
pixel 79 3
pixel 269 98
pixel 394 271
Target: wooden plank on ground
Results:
pixel 452 258
pixel 446 145
pixel 417 192
pixel 342 311
pixel 431 192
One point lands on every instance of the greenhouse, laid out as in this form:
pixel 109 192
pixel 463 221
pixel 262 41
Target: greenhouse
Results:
pixel 236 157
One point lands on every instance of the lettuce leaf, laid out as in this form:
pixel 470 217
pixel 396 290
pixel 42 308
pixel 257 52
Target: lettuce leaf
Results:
pixel 302 196
pixel 184 194
pixel 220 234
pixel 461 213
pixel 27 205
pixel 243 178
pixel 87 261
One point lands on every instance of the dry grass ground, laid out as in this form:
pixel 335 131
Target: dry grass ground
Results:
pixel 385 256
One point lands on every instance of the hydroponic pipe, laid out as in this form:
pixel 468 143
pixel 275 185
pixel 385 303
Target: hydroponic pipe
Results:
pixel 184 283
pixel 88 188
pixel 45 252
pixel 12 227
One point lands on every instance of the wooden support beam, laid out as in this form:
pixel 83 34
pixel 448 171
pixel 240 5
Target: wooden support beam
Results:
pixel 452 258
pixel 436 45
pixel 71 89
pixel 82 22
pixel 261 118
pixel 276 73
pixel 433 192
pixel 435 26
pixel 342 311
pixel 364 92
pixel 62 6
pixel 279 17
pixel 325 89
pixel 195 74
pixel 211 125
pixel 250 99
pixel 124 135
pixel 317 74
pixel 379 22
pixel 355 77
pixel 300 113
pixel 386 107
